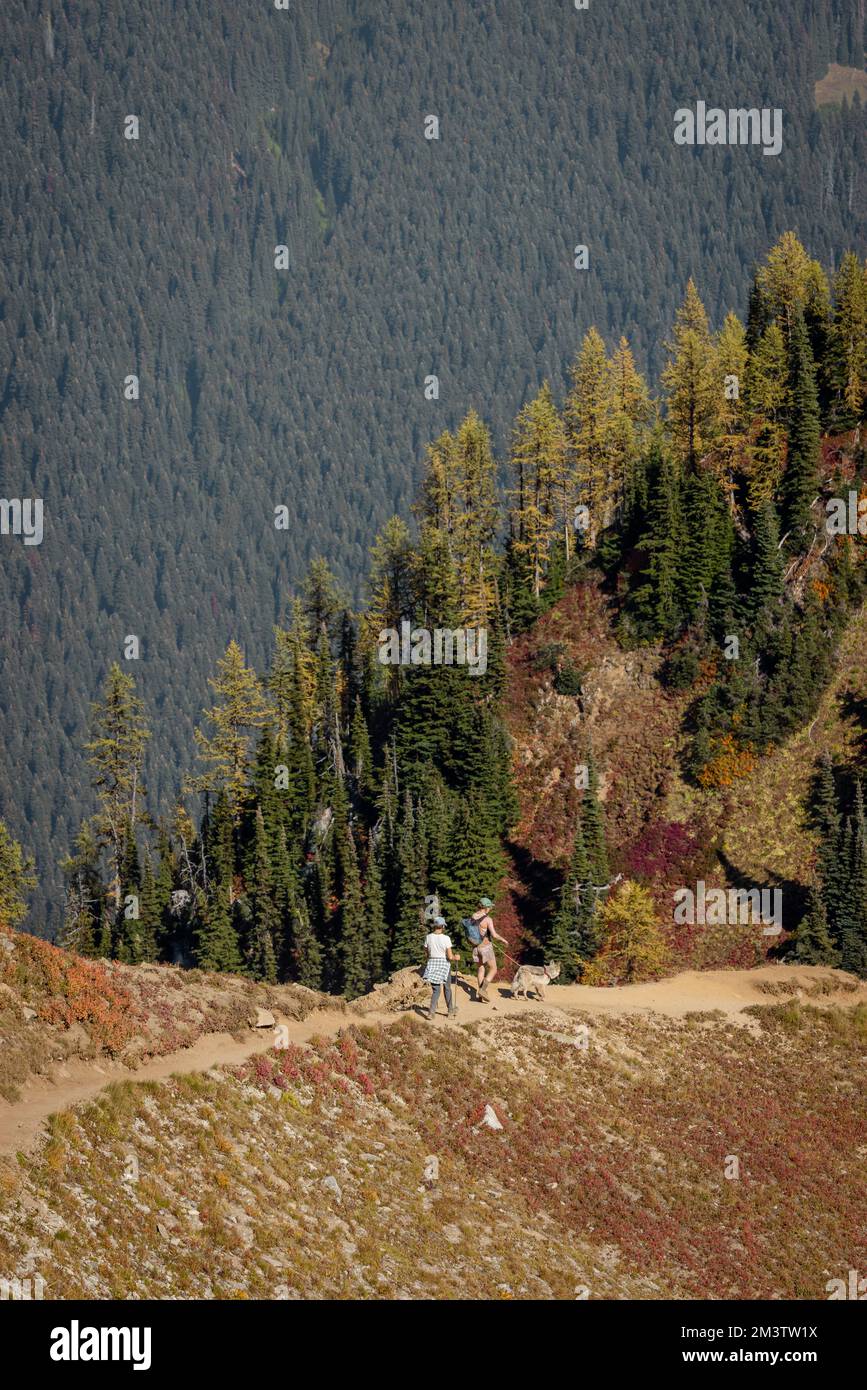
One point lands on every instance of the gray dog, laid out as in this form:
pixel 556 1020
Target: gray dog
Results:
pixel 535 977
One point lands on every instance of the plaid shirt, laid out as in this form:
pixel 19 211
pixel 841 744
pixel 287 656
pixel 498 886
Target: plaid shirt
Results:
pixel 436 972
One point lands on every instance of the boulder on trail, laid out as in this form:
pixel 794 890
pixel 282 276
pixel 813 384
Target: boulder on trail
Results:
pixel 262 1018
pixel 405 988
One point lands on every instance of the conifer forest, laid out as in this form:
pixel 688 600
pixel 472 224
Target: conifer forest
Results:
pixel 433 680
pixel 321 325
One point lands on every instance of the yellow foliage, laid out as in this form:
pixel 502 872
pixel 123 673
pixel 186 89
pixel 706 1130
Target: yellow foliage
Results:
pixel 728 763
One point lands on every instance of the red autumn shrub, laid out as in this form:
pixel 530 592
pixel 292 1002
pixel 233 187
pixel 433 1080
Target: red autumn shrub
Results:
pixel 66 989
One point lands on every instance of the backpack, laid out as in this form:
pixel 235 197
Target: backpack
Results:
pixel 471 931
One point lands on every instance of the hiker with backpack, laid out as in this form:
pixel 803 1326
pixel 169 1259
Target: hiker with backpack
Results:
pixel 482 932
pixel 438 966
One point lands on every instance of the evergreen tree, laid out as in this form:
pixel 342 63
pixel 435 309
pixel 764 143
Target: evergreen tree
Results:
pixel 361 755
pixel 692 382
pixel 593 827
pixel 424 719
pixel 708 543
pixel 353 946
pixel 846 360
pixel 439 810
pixel 765 569
pixel 827 820
pixel 219 848
pixel 852 939
pixel 813 943
pixel 152 907
pixel 263 947
pixel 574 937
pixel 591 407
pixel 376 931
pixel 306 951
pixel 129 943
pixel 321 897
pixel 812 661
pixel 216 945
pixel 459 887
pixel 538 463
pixel 323 601
pixel 299 753
pixel 16 879
pixel 436 592
pixel 632 413
pixel 800 480
pixel 284 890
pixel 392 577
pixel 767 401
pixel 241 709
pixel 116 755
pixel 655 601
pixel 759 315
pixel 633 946
pixel 83 913
pixel 520 598
pixel 408 933
pixel 839 902
pixel 266 795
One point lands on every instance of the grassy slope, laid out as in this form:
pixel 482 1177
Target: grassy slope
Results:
pixel 840 82
pixel 55 1006
pixel 768 834
pixel 608 1174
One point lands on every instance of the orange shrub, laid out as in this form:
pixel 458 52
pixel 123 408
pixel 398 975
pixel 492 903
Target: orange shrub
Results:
pixel 729 763
pixel 66 989
pixel 821 590
pixel 707 669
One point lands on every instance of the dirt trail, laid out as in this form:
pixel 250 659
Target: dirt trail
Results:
pixel 729 991
pixel 21 1122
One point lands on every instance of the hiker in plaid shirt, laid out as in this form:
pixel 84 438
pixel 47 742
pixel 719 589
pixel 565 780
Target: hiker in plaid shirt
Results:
pixel 438 969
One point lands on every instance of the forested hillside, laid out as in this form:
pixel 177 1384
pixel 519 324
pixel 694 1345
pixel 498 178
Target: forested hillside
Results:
pixel 406 258
pixel 689 561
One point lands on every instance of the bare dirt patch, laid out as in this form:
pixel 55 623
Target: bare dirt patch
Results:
pixel 840 82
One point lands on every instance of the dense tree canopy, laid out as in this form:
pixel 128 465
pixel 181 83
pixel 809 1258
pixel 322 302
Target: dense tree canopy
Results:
pixel 361 773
